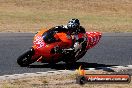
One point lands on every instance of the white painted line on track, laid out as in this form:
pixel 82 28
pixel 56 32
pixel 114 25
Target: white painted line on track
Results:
pixel 24 75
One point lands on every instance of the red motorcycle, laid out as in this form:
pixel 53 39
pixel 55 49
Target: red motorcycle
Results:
pixel 44 45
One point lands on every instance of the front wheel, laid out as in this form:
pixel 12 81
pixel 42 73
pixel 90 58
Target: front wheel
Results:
pixel 25 59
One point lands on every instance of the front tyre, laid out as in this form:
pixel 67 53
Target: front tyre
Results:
pixel 25 59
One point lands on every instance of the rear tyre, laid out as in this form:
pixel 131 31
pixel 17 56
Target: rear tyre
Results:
pixel 73 59
pixel 25 59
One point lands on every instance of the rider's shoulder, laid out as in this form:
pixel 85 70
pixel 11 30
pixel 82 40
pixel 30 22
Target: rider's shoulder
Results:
pixel 82 29
pixel 60 27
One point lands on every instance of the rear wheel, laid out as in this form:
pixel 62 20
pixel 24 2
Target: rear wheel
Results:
pixel 73 59
pixel 25 59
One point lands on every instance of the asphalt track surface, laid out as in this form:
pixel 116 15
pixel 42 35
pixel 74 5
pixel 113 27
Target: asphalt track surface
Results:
pixel 113 49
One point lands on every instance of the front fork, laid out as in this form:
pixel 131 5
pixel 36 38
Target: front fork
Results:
pixel 36 55
pixel 32 51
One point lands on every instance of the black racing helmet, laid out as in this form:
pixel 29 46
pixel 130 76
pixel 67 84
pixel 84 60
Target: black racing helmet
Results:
pixel 73 24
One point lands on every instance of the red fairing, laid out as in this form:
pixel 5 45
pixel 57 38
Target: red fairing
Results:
pixel 43 49
pixel 93 39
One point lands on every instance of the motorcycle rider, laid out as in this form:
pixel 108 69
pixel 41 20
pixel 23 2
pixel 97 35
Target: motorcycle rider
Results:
pixel 72 28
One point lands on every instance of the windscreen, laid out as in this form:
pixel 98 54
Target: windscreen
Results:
pixel 48 37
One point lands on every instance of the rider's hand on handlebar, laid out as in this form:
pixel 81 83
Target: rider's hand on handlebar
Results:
pixel 57 50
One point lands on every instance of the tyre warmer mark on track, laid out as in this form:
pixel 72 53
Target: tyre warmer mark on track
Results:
pixel 24 75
